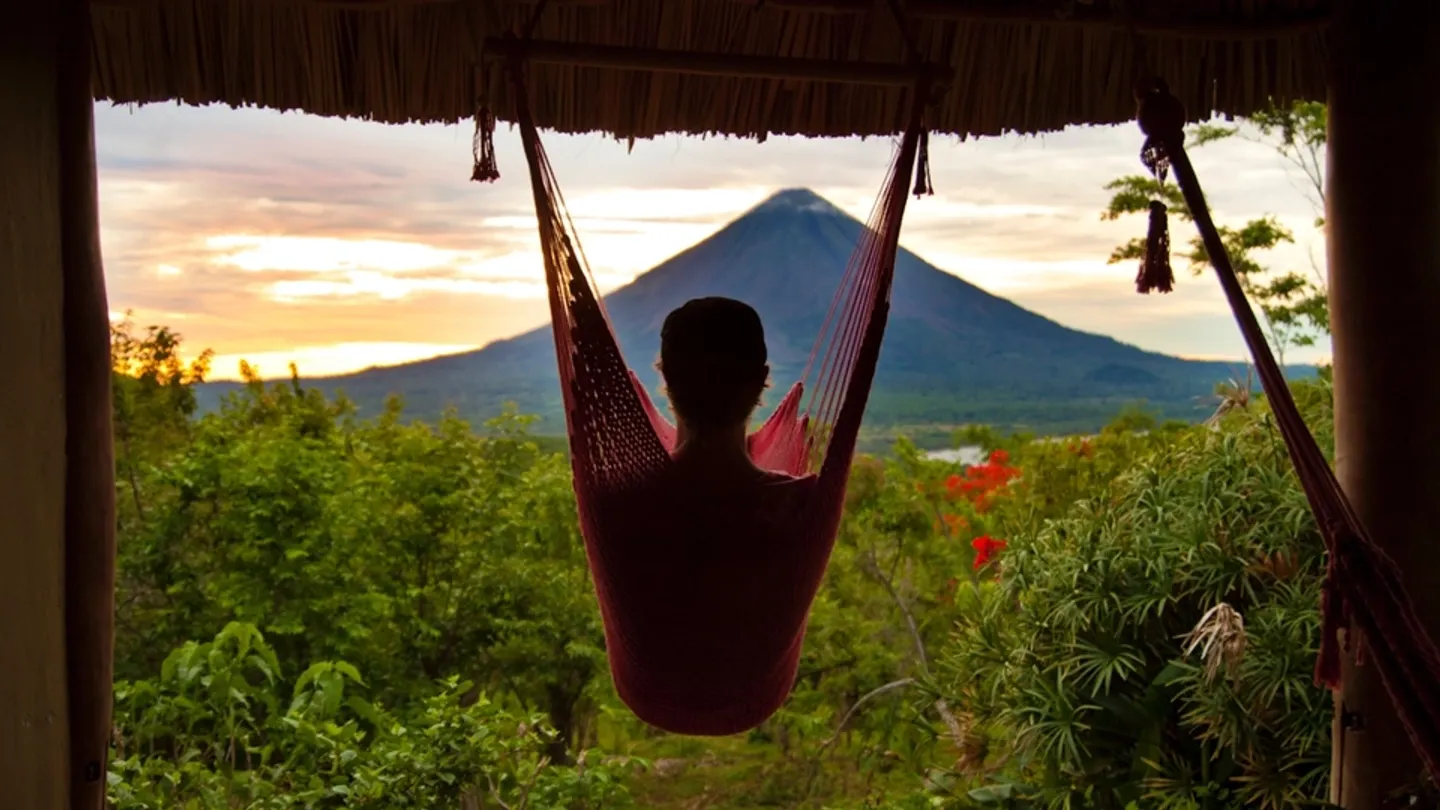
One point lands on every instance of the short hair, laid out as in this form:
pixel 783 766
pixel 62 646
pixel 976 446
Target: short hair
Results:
pixel 713 361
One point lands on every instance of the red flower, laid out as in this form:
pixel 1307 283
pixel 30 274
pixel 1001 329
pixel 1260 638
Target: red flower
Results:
pixel 999 457
pixel 985 548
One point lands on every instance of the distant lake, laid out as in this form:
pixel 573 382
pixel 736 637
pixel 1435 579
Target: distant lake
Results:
pixel 975 455
pixel 960 455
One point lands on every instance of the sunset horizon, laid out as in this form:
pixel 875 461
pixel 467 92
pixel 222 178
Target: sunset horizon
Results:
pixel 344 245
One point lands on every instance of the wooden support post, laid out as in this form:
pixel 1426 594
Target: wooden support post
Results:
pixel 34 746
pixel 89 449
pixel 1383 224
pixel 56 477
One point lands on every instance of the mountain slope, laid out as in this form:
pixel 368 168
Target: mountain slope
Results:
pixel 953 352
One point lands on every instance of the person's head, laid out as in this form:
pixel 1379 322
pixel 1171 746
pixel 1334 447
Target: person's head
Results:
pixel 713 360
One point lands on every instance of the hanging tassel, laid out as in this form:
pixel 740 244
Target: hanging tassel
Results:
pixel 1160 115
pixel 923 186
pixel 482 147
pixel 1155 272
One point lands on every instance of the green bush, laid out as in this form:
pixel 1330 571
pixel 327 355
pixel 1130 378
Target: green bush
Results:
pixel 1076 665
pixel 413 551
pixel 1012 632
pixel 214 733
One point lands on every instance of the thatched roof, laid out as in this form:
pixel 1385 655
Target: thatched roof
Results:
pixel 1019 65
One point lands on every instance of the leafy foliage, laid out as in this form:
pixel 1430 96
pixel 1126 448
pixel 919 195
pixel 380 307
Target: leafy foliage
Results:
pixel 415 552
pixel 1073 663
pixel 408 621
pixel 215 732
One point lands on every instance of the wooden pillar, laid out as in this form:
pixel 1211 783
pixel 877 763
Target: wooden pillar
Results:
pixel 89 448
pixel 34 747
pixel 56 468
pixel 1383 228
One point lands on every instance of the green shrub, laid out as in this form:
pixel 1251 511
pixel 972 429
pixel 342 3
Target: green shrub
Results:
pixel 212 733
pixel 1074 666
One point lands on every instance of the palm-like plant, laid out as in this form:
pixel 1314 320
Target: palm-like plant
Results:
pixel 1094 661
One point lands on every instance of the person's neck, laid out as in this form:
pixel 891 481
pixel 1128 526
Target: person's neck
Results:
pixel 717 450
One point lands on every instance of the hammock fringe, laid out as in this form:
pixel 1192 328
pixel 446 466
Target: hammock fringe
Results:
pixel 923 186
pixel 1155 272
pixel 482 148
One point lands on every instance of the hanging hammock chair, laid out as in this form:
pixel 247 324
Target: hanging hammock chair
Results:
pixel 705 638
pixel 704 598
pixel 1363 587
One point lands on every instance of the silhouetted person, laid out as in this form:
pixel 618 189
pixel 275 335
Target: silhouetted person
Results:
pixel 717 558
pixel 714 364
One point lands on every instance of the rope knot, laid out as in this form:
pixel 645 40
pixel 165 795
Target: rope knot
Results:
pixel 1161 115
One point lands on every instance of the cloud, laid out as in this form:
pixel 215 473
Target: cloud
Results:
pixel 261 232
pixel 327 360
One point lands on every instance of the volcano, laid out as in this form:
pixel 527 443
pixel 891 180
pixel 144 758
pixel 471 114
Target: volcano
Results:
pixel 954 354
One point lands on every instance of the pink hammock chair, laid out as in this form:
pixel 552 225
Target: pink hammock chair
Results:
pixel 704 600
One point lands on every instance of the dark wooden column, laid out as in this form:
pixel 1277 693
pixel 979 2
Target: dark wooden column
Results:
pixel 89 450
pixel 1384 261
pixel 34 746
pixel 56 470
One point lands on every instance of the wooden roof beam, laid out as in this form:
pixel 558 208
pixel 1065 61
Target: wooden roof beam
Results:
pixel 1077 14
pixel 715 64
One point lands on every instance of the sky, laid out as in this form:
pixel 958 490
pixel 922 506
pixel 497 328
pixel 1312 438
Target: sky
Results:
pixel 343 244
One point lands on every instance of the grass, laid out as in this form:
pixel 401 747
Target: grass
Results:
pixel 744 772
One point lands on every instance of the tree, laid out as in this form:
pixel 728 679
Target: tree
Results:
pixel 415 551
pixel 444 562
pixel 153 400
pixel 1294 305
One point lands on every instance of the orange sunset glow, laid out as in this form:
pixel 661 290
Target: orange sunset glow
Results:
pixel 340 245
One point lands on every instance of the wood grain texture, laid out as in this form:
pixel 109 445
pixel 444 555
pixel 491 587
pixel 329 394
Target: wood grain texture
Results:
pixel 90 460
pixel 33 716
pixel 1383 200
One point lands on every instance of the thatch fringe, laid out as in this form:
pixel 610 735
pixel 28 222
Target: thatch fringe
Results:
pixel 1019 68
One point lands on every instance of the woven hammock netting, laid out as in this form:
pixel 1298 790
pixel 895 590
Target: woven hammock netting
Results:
pixel 704 604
